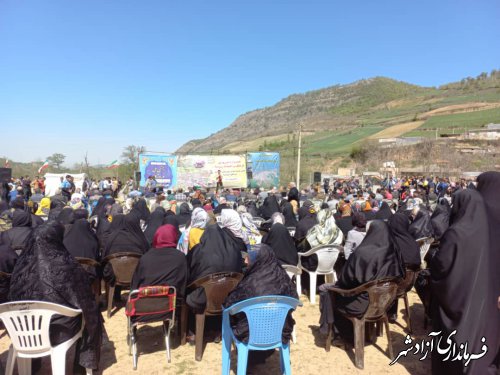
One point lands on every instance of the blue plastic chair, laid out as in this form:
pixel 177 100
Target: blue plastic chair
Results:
pixel 266 317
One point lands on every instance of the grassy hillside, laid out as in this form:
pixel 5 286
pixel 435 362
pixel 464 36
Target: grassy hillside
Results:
pixel 338 117
pixel 456 123
pixel 333 143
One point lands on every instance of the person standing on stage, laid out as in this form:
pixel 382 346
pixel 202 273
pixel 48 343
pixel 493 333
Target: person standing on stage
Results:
pixel 220 186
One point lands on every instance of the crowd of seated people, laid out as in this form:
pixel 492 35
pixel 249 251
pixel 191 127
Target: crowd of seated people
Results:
pixel 183 237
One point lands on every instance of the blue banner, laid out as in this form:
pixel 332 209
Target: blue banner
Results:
pixel 263 169
pixel 163 167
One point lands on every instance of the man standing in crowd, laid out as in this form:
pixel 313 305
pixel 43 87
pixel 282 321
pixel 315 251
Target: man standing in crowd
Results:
pixel 151 184
pixel 180 196
pixel 67 187
pixel 26 183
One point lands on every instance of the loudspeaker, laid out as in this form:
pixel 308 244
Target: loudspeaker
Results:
pixel 317 176
pixel 138 176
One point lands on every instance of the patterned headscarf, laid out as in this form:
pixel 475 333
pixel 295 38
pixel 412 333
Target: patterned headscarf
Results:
pixel 199 218
pixel 325 232
pixel 345 209
pixel 231 220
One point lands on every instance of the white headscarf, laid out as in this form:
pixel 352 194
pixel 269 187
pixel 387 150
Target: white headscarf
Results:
pixel 278 217
pixel 231 220
pixel 199 218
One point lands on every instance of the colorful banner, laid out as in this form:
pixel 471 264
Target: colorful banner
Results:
pixel 263 169
pixel 201 170
pixel 163 167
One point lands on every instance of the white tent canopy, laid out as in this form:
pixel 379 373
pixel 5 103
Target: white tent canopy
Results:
pixel 53 181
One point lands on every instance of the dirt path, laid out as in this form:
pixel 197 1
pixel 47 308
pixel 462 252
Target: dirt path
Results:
pixel 308 355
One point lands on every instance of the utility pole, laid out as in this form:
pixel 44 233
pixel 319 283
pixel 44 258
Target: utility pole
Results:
pixel 298 156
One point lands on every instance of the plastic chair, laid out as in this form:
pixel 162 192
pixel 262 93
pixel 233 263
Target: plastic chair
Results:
pixel 291 272
pixel 294 271
pixel 124 265
pixel 266 317
pixel 28 324
pixel 150 300
pixel 424 244
pixel 327 257
pixel 404 287
pixel 217 286
pixel 92 267
pixel 381 294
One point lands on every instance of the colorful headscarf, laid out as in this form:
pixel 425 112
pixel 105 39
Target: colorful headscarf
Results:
pixel 325 232
pixel 165 236
pixel 44 207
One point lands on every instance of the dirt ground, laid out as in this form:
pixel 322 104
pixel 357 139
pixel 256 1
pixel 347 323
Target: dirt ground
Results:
pixel 308 355
pixel 396 130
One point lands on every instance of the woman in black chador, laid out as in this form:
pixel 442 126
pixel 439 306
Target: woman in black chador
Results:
pixel 125 236
pixel 375 258
pixel 47 272
pixel 463 288
pixel 219 250
pixel 18 236
pixel 263 277
pixel 81 242
pixel 488 185
pixel 279 239
pixel 154 222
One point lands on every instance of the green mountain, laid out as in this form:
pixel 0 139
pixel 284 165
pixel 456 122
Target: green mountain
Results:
pixel 335 118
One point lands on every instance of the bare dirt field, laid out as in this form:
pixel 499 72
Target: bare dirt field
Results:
pixel 308 355
pixel 458 108
pixel 396 130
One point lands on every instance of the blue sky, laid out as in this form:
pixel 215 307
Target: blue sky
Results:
pixel 95 75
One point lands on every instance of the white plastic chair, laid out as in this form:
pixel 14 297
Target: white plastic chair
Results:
pixel 327 257
pixel 28 324
pixel 294 271
pixel 291 272
pixel 424 244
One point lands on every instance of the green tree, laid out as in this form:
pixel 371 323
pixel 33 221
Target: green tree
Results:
pixel 130 154
pixel 56 160
pixel 359 154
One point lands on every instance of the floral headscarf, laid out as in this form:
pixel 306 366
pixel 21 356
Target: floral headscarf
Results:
pixel 250 230
pixel 325 232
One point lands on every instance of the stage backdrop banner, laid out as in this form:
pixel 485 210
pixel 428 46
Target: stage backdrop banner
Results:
pixel 163 167
pixel 263 169
pixel 201 170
